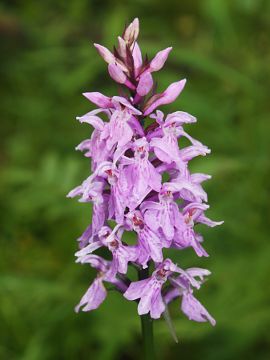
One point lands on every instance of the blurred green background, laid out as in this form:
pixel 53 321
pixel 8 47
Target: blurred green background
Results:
pixel 47 61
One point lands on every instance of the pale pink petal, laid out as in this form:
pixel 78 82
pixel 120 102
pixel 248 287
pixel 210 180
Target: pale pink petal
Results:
pixel 198 272
pixel 93 120
pixel 198 178
pixel 205 220
pixel 180 118
pixel 157 305
pixel 126 137
pixel 194 310
pixel 154 178
pixel 172 294
pixel 127 104
pixel 166 225
pixel 151 218
pixel 147 205
pixel 88 250
pixel 136 289
pixel 192 151
pixel 145 302
pixel 75 192
pixel 164 151
pixel 99 99
pixel 85 237
pixel 93 297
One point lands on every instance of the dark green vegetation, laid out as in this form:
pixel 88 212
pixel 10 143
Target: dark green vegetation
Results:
pixel 47 61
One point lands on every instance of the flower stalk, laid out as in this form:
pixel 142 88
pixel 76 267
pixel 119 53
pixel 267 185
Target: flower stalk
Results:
pixel 147 325
pixel 147 337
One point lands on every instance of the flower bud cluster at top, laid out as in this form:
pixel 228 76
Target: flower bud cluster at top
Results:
pixel 128 161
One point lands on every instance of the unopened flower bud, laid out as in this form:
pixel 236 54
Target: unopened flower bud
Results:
pixel 116 73
pixel 167 97
pixel 132 32
pixel 159 60
pixel 145 84
pixel 105 53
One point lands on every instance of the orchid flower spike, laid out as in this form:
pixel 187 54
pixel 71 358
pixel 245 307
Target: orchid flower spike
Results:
pixel 128 191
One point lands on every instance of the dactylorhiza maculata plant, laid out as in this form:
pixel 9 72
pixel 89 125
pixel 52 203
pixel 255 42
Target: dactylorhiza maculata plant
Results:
pixel 128 161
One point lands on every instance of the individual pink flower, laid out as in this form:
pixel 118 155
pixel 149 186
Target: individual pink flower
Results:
pixel 149 290
pixel 190 306
pixel 141 175
pixel 121 254
pixel 97 293
pixel 149 245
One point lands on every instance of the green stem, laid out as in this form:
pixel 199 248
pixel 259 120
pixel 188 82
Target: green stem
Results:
pixel 147 326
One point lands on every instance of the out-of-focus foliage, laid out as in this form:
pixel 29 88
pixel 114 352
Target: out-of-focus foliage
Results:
pixel 47 61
